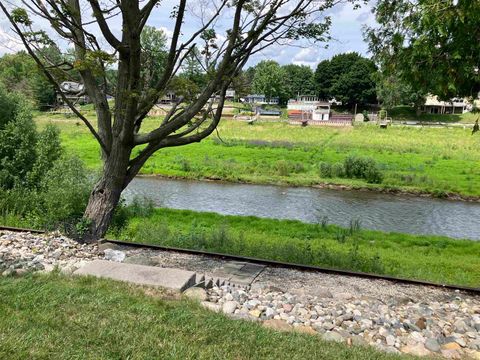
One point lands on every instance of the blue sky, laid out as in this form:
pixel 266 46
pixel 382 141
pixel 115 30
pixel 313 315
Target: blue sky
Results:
pixel 346 30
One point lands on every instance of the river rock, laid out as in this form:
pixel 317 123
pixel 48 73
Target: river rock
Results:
pixel 333 336
pixel 432 345
pixel 277 325
pixel 229 307
pixel 196 293
pixel 114 255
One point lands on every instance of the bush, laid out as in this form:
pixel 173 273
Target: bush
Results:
pixel 362 168
pixel 25 155
pixel 282 168
pixel 325 170
pixel 64 193
pixel 338 170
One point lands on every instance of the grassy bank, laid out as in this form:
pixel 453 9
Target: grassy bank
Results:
pixel 55 317
pixel 432 258
pixel 436 161
pixel 408 113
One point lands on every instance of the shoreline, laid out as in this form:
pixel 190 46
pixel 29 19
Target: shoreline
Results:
pixel 331 186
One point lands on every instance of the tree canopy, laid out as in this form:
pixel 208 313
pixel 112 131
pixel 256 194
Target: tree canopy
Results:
pixel 20 73
pixel 431 45
pixel 348 78
pixel 269 79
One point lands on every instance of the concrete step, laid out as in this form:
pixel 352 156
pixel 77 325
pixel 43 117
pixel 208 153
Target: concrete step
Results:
pixel 174 279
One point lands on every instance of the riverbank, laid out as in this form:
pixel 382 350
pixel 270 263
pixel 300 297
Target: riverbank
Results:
pixel 439 162
pixel 430 258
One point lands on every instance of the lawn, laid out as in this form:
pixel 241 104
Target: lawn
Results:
pixel 431 258
pixel 58 317
pixel 407 113
pixel 436 161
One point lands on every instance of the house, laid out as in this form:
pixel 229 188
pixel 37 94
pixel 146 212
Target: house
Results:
pixel 74 92
pixel 454 106
pixel 169 98
pixel 230 94
pixel 261 99
pixel 308 107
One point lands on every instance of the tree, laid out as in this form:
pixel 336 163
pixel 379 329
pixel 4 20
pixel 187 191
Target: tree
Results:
pixel 87 24
pixel 269 79
pixel 348 78
pixel 19 73
pixel 298 80
pixel 393 91
pixel 432 45
pixel 25 155
pixel 153 55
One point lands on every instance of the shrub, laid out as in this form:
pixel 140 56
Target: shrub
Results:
pixel 282 168
pixel 338 170
pixel 362 168
pixel 17 145
pixel 64 192
pixel 325 169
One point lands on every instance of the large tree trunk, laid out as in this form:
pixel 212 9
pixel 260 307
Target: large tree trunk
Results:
pixel 106 193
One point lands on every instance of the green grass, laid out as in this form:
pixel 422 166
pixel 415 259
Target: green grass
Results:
pixel 431 258
pixel 408 113
pixel 56 317
pixel 436 161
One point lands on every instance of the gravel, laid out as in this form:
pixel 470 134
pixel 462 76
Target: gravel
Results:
pixel 24 252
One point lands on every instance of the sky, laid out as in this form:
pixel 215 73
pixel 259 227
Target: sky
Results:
pixel 346 31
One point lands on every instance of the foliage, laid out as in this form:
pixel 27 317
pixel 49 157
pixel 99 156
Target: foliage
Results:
pixel 17 141
pixel 154 55
pixel 362 168
pixel 269 79
pixel 393 91
pixel 298 81
pixel 431 45
pixel 64 193
pixel 348 78
pixel 19 73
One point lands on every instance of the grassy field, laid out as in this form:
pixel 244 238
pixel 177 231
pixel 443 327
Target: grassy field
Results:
pixel 437 161
pixel 56 317
pixel 407 113
pixel 433 258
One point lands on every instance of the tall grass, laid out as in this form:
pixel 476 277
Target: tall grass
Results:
pixel 433 258
pixel 438 161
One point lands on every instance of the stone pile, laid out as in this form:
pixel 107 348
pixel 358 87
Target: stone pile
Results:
pixel 448 328
pixel 24 252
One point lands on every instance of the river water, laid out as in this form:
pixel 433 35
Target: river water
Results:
pixel 406 214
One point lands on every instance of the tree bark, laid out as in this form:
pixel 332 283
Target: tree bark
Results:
pixel 106 193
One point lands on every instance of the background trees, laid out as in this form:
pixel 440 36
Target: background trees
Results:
pixel 19 73
pixel 348 78
pixel 269 79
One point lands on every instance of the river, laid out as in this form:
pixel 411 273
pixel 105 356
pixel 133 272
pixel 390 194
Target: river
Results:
pixel 378 211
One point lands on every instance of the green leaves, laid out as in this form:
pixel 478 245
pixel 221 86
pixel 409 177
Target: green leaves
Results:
pixel 432 45
pixel 20 16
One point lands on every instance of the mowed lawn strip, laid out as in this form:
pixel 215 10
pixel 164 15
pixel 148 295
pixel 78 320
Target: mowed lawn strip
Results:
pixel 430 258
pixel 57 317
pixel 434 160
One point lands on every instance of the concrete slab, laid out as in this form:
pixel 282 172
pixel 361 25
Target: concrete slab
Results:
pixel 237 272
pixel 174 279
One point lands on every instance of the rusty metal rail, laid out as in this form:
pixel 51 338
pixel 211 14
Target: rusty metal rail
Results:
pixel 273 263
